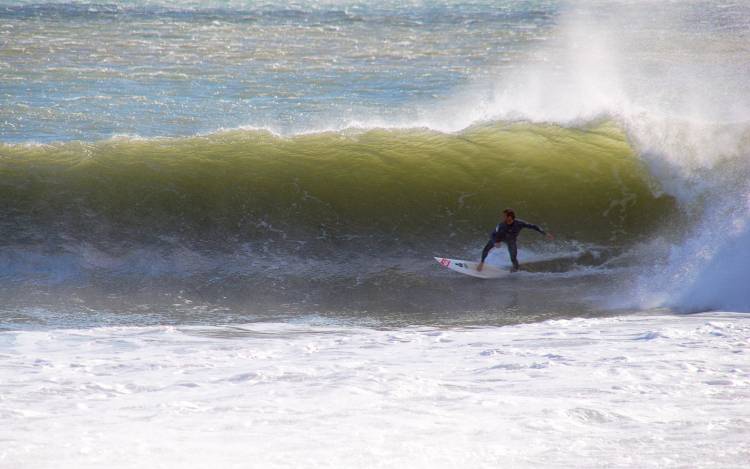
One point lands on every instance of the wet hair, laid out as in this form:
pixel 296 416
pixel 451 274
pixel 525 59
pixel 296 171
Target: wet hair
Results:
pixel 508 212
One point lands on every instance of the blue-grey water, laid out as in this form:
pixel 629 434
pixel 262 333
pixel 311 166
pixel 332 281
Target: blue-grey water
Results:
pixel 89 71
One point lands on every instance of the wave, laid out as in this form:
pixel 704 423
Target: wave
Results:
pixel 316 212
pixel 661 181
pixel 390 189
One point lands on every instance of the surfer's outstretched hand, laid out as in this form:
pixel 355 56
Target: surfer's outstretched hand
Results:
pixel 550 237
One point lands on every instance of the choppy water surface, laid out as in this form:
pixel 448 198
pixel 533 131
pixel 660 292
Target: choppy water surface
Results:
pixel 88 71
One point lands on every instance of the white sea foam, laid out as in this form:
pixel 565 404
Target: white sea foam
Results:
pixel 633 391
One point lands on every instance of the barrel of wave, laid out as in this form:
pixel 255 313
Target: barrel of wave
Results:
pixel 404 187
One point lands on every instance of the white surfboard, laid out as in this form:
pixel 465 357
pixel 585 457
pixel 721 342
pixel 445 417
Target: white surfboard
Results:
pixel 470 268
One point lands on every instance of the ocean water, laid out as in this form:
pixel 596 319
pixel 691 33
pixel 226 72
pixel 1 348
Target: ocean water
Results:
pixel 219 219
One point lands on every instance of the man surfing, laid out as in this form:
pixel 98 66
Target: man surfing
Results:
pixel 507 231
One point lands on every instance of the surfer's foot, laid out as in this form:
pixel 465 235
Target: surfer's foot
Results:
pixel 480 266
pixel 514 269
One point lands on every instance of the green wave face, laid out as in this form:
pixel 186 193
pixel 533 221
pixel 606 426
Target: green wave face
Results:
pixel 398 187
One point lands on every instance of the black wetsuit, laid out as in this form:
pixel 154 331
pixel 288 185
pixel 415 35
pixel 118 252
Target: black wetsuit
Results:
pixel 507 234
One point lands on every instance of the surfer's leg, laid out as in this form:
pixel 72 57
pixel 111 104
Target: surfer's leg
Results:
pixel 513 251
pixel 486 250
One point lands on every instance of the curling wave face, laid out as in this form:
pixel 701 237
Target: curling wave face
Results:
pixel 337 221
pixel 393 189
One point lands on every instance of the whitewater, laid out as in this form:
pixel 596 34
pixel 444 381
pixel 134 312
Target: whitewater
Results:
pixel 631 391
pixel 218 222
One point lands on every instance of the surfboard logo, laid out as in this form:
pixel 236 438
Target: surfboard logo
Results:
pixel 445 262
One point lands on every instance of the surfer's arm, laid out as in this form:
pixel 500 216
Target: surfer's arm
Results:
pixel 538 229
pixel 534 227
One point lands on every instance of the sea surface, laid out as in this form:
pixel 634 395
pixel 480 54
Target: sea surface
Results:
pixel 218 221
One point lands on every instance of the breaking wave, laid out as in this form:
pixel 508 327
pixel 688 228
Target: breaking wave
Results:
pixel 393 188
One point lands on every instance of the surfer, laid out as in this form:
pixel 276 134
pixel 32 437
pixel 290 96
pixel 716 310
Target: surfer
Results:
pixel 507 230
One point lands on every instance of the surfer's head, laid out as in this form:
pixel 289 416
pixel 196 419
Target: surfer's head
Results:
pixel 510 215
